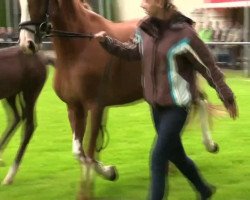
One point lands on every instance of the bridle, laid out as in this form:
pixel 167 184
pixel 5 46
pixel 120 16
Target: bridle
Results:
pixel 45 29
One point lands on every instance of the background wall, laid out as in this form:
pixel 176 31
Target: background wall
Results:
pixel 130 9
pixel 2 13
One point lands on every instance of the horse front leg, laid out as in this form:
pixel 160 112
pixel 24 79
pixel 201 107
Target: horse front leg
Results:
pixel 210 145
pixel 107 172
pixel 77 117
pixel 10 130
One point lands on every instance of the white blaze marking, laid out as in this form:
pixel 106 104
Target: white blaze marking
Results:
pixel 76 145
pixel 25 16
pixel 11 173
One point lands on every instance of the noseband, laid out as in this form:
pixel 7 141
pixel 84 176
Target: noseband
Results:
pixel 40 30
pixel 44 29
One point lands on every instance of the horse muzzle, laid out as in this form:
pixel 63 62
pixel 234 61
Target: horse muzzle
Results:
pixel 27 43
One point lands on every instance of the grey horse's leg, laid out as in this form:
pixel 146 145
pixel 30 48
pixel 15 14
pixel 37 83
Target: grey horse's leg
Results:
pixel 8 133
pixel 210 145
pixel 29 98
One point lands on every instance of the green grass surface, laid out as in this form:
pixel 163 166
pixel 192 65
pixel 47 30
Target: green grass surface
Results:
pixel 50 172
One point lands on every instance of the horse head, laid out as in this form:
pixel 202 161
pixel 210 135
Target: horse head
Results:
pixel 33 24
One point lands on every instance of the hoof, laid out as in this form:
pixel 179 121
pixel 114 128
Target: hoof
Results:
pixel 113 174
pixel 214 148
pixel 7 182
pixel 108 172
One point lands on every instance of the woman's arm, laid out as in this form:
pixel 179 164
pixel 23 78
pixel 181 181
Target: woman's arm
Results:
pixel 128 50
pixel 199 54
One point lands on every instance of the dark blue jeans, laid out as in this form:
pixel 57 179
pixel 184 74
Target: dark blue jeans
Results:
pixel 169 122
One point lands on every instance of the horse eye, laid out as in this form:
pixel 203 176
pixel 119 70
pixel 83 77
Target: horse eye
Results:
pixel 43 28
pixel 49 27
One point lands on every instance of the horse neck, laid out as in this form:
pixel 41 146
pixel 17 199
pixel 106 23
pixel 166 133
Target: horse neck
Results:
pixel 63 12
pixel 69 15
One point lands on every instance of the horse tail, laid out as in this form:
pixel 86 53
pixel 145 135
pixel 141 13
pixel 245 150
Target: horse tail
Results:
pixel 216 110
pixel 104 143
pixel 213 110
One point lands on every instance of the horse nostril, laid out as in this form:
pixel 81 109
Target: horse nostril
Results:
pixel 32 46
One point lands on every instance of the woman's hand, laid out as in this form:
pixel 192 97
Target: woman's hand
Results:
pixel 100 36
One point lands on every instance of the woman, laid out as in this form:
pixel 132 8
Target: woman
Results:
pixel 171 53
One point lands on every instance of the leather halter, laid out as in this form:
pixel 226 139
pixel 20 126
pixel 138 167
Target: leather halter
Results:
pixel 45 29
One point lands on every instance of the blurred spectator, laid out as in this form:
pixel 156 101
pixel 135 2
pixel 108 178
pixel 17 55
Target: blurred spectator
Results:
pixel 198 26
pixel 8 37
pixel 229 54
pixel 222 54
pixel 206 33
pixel 216 49
pixel 9 34
pixel 217 32
pixel 225 31
pixel 15 35
pixel 235 34
pixel 231 35
pixel 3 34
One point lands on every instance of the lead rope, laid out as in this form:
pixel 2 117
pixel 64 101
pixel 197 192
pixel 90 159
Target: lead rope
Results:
pixel 103 83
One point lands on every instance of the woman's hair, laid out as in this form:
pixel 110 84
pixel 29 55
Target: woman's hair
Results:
pixel 169 5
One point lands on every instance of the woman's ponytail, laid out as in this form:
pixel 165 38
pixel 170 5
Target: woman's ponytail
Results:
pixel 168 5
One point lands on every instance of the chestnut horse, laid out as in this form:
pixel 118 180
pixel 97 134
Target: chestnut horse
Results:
pixel 87 78
pixel 21 80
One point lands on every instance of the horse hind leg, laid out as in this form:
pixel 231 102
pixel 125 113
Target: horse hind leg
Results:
pixel 8 133
pixel 210 145
pixel 107 172
pixel 29 104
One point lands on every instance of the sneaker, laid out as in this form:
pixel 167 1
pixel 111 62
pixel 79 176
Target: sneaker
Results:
pixel 209 193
